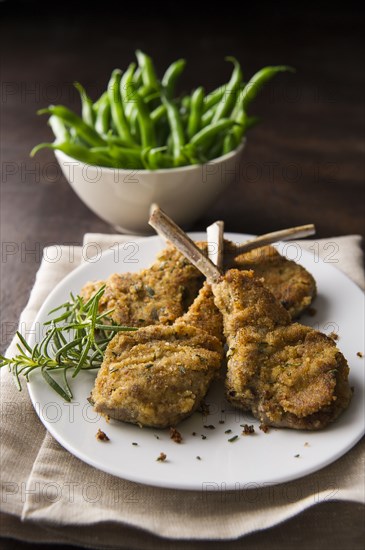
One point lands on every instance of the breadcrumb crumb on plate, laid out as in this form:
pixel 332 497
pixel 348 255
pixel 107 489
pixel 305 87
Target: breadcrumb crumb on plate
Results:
pixel 101 436
pixel 161 457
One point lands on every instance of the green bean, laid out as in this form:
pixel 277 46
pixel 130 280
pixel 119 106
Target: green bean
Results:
pixel 124 157
pixel 244 122
pixel 211 131
pixel 98 101
pixel 216 150
pixel 235 135
pixel 103 150
pixel 258 80
pixel 251 122
pixel 86 132
pixel 59 129
pixel 229 143
pixel 208 117
pixel 146 94
pixel 228 101
pixel 171 75
pixel 250 91
pixel 117 111
pixel 196 112
pixel 144 157
pixel 127 86
pixel 116 140
pixel 170 144
pixel 86 105
pixel 145 91
pixel 149 77
pixel 177 130
pixel 144 120
pixel 129 108
pixel 194 155
pixel 127 93
pixel 157 158
pixel 184 110
pixel 102 123
pixel 78 152
pixel 158 113
pixel 185 104
pixel 214 97
pixel 133 124
pixel 162 130
pixel 151 97
pixel 137 77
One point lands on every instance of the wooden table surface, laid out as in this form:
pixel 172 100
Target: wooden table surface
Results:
pixel 303 164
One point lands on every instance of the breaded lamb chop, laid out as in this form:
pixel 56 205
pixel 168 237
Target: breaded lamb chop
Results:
pixel 291 284
pixel 158 375
pixel 286 374
pixel 156 295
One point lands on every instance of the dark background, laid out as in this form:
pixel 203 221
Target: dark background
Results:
pixel 304 163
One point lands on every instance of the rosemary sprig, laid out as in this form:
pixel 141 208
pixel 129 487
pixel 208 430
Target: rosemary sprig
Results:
pixel 75 340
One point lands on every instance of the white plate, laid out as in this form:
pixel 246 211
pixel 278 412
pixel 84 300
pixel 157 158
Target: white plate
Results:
pixel 250 461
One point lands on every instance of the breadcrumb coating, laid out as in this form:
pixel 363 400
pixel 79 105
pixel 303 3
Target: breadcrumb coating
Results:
pixel 286 374
pixel 291 284
pixel 158 375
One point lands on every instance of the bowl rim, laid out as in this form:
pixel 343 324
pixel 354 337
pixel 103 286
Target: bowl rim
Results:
pixel 60 154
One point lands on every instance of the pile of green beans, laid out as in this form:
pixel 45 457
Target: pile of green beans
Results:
pixel 140 123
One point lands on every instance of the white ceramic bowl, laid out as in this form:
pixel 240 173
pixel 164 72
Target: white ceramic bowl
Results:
pixel 123 197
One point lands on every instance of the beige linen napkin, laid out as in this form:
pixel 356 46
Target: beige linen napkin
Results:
pixel 51 490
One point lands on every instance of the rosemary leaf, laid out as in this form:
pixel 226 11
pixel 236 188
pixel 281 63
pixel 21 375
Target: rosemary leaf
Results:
pixel 47 340
pixel 54 385
pixel 24 342
pixel 67 347
pixel 67 386
pixel 82 359
pixel 115 328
